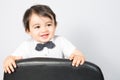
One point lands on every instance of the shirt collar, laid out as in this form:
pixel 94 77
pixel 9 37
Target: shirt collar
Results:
pixel 36 42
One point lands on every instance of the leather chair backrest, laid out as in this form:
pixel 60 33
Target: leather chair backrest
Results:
pixel 53 69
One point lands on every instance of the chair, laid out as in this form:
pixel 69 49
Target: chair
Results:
pixel 53 69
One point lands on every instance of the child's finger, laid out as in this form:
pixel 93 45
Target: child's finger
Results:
pixel 11 68
pixel 71 57
pixel 5 70
pixel 78 62
pixel 8 70
pixel 14 64
pixel 82 61
pixel 74 61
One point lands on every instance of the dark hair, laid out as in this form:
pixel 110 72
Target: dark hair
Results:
pixel 42 10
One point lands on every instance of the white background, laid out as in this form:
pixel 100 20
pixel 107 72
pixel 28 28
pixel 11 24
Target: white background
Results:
pixel 91 25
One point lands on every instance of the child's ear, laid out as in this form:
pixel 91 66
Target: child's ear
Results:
pixel 27 31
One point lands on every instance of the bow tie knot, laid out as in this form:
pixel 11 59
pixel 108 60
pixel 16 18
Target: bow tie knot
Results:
pixel 49 45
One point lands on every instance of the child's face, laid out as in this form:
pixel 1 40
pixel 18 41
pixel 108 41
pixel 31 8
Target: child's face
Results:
pixel 41 28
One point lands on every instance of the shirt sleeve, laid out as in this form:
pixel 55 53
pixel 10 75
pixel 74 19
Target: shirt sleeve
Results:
pixel 67 47
pixel 22 50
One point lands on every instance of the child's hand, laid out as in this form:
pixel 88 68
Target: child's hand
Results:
pixel 9 63
pixel 77 57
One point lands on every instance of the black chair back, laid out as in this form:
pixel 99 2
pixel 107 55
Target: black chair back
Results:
pixel 53 69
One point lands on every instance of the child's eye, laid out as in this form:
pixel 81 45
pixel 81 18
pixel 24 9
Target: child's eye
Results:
pixel 37 27
pixel 49 24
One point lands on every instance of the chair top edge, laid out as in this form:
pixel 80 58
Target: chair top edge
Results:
pixel 38 61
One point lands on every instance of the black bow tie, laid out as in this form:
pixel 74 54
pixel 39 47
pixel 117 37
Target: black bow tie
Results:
pixel 49 45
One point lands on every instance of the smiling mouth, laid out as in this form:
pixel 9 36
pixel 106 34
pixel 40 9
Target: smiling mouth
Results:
pixel 45 36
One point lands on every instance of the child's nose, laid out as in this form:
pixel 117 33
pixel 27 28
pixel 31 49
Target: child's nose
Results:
pixel 44 29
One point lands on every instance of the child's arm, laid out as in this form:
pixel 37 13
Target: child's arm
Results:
pixel 9 63
pixel 77 57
